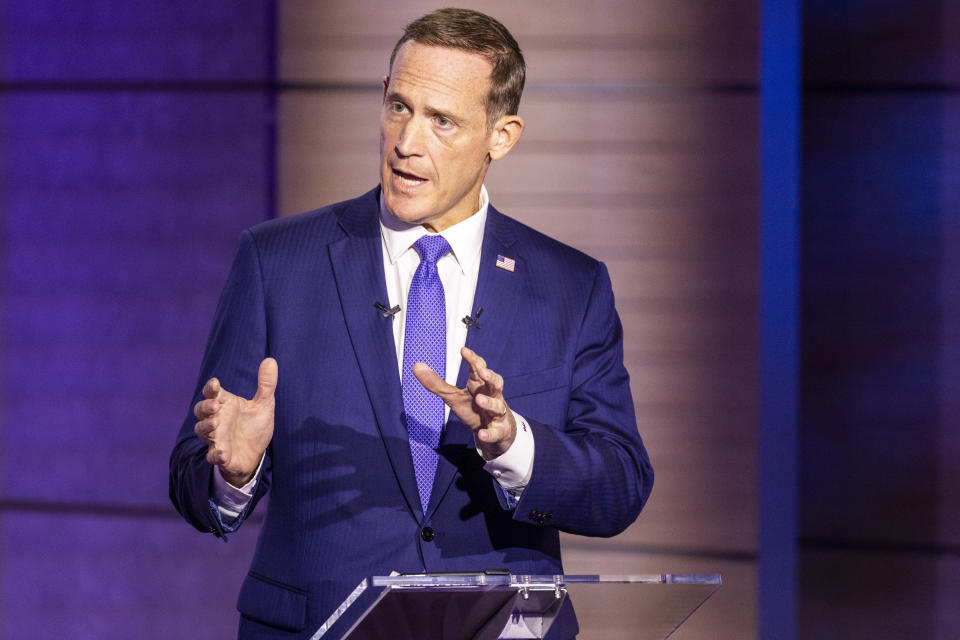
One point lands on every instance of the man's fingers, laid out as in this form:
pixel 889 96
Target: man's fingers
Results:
pixel 213 398
pixel 431 381
pixel 495 432
pixel 206 408
pixel 212 388
pixel 477 364
pixel 479 372
pixel 494 381
pixel 496 407
pixel 204 428
pixel 490 434
pixel 267 379
pixel 217 457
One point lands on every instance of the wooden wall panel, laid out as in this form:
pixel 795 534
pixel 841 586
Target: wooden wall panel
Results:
pixel 641 149
pixel 326 146
pixel 645 154
pixel 690 41
pixel 728 615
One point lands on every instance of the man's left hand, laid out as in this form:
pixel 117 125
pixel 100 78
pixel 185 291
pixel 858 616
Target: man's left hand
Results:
pixel 480 405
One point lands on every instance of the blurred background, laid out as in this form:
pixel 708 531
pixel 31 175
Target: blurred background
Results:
pixel 139 138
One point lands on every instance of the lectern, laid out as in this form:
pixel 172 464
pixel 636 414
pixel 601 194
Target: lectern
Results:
pixel 494 605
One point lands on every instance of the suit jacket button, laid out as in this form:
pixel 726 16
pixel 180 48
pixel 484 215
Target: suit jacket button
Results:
pixel 428 534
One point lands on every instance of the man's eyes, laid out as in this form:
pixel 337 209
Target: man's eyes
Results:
pixel 441 121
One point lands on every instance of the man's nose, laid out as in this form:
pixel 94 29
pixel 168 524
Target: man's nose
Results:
pixel 410 140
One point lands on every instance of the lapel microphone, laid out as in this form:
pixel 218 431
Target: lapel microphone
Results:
pixel 473 321
pixel 387 313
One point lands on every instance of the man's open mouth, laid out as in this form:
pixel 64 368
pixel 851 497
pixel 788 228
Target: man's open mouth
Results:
pixel 407 180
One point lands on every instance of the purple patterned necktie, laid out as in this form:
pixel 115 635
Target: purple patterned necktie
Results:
pixel 425 340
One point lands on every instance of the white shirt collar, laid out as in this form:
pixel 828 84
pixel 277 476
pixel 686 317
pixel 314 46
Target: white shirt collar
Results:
pixel 465 237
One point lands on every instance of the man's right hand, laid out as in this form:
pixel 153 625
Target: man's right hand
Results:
pixel 238 430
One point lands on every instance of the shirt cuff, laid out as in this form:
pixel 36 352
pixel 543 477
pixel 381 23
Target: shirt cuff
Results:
pixel 513 468
pixel 232 500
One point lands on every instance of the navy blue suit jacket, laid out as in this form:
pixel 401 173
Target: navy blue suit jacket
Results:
pixel 343 497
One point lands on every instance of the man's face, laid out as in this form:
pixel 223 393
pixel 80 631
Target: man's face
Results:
pixel 434 142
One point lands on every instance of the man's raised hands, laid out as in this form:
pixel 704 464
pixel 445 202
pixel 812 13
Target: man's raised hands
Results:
pixel 238 430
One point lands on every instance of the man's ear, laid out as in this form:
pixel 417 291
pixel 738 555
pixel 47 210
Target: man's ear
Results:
pixel 506 132
pixel 386 83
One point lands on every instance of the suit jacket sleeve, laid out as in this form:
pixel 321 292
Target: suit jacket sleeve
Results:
pixel 235 347
pixel 592 475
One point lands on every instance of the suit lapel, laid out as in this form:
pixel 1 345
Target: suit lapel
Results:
pixel 357 262
pixel 499 293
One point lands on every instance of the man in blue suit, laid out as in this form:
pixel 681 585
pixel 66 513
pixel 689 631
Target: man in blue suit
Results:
pixel 453 390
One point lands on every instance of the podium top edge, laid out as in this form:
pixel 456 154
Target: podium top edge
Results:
pixel 483 579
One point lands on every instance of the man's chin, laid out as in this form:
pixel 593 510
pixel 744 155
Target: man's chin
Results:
pixel 402 210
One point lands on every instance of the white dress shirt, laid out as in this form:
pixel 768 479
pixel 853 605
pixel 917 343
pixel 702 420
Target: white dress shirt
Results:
pixel 458 270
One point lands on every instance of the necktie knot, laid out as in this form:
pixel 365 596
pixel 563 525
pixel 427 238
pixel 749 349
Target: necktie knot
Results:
pixel 431 248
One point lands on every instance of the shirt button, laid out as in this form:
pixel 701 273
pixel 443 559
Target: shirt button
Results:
pixel 497 474
pixel 428 534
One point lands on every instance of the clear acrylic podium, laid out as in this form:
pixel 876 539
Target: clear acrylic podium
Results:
pixel 488 606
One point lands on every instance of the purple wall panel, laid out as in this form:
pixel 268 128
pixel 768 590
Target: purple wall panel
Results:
pixel 136 139
pixel 116 577
pixel 120 226
pixel 139 39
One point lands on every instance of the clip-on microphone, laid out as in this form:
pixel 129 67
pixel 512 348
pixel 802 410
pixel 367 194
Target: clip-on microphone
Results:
pixel 387 313
pixel 473 321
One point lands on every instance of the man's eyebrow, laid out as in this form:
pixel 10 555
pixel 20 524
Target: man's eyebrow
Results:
pixel 393 96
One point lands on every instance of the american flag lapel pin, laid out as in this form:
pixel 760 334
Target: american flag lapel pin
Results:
pixel 508 264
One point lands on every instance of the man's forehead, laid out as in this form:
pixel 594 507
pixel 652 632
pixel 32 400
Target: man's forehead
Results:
pixel 442 70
